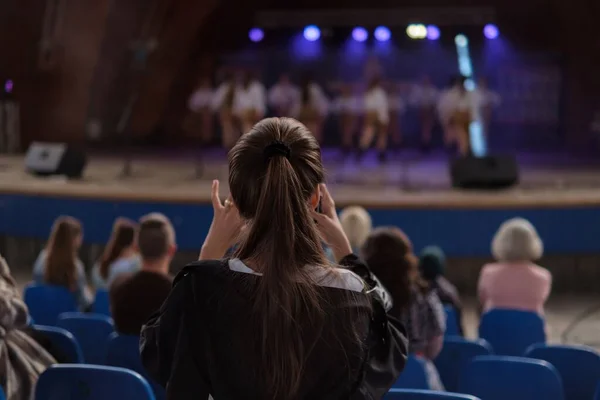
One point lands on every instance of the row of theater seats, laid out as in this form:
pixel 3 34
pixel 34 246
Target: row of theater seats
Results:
pixel 574 371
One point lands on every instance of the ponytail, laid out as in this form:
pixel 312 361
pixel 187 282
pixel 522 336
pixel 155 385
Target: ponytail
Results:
pixel 61 267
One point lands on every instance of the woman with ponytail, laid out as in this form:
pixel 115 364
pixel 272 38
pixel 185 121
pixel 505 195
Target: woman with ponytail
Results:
pixel 277 321
pixel 58 264
pixel 389 254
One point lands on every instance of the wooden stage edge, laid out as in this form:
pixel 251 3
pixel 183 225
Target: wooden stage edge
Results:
pixel 160 181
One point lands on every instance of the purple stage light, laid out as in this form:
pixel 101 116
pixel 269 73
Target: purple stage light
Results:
pixel 8 86
pixel 433 32
pixel 256 35
pixel 491 31
pixel 312 33
pixel 360 34
pixel 382 34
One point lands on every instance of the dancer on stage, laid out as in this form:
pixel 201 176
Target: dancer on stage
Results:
pixel 201 119
pixel 313 107
pixel 249 104
pixel 377 118
pixel 487 100
pixel 457 108
pixel 397 108
pixel 283 96
pixel 222 103
pixel 424 96
pixel 348 106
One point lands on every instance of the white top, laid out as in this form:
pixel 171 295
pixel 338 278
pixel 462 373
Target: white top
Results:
pixel 424 95
pixel 318 100
pixel 200 99
pixel 219 95
pixel 251 98
pixel 376 100
pixel 348 104
pixel 454 100
pixel 283 96
pixel 337 278
pixel 487 98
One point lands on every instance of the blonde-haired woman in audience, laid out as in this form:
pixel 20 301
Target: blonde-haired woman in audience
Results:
pixel 515 281
pixel 120 255
pixel 357 224
pixel 22 359
pixel 58 264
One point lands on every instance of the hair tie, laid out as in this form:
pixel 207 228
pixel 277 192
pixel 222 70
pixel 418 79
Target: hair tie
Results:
pixel 277 148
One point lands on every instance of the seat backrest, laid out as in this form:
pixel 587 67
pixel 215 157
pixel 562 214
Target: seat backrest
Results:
pixel 414 375
pixel 123 351
pixel 91 331
pixel 578 366
pixel 101 303
pixel 414 394
pixel 514 378
pixel 511 332
pixel 64 341
pixel 47 302
pixel 2 395
pixel 455 355
pixel 91 382
pixel 452 328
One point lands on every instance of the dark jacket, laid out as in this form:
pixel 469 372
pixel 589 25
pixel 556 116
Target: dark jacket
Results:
pixel 202 342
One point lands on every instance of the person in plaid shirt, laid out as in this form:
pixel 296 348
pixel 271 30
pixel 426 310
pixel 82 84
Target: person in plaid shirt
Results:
pixel 389 254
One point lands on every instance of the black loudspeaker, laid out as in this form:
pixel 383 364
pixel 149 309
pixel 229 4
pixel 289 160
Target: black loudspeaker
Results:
pixel 46 159
pixel 490 172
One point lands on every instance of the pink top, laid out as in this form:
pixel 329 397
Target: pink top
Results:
pixel 522 286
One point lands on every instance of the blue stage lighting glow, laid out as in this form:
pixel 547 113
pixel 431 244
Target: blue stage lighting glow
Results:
pixel 360 34
pixel 256 34
pixel 433 32
pixel 312 33
pixel 382 34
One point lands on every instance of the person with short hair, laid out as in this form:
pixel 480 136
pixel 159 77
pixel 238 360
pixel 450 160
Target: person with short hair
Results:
pixel 514 281
pixel 58 263
pixel 135 297
pixel 120 255
pixel 277 321
pixel 357 224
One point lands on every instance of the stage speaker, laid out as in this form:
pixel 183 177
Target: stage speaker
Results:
pixel 490 172
pixel 46 159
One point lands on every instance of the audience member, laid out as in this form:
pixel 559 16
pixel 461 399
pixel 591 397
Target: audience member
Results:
pixel 514 281
pixel 120 255
pixel 389 254
pixel 135 297
pixel 432 264
pixel 58 264
pixel 278 321
pixel 357 225
pixel 22 359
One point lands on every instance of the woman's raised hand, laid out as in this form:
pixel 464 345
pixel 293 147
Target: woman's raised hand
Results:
pixel 225 227
pixel 329 226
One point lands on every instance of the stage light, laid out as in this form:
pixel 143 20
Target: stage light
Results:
pixel 360 34
pixel 416 31
pixel 8 86
pixel 461 41
pixel 256 34
pixel 382 34
pixel 491 31
pixel 469 84
pixel 312 33
pixel 433 32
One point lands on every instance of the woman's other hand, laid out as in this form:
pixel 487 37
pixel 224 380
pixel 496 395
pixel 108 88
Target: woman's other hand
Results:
pixel 225 227
pixel 329 226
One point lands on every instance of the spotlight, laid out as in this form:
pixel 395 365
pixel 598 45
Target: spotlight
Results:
pixel 8 86
pixel 461 41
pixel 433 32
pixel 360 34
pixel 491 31
pixel 256 34
pixel 382 34
pixel 312 33
pixel 416 31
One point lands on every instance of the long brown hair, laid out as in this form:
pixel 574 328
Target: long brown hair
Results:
pixel 389 254
pixel 272 191
pixel 61 267
pixel 122 237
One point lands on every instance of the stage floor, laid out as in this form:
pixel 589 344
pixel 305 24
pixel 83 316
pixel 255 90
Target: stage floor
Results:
pixel 408 179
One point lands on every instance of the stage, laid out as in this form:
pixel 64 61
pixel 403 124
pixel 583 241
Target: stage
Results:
pixel 561 195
